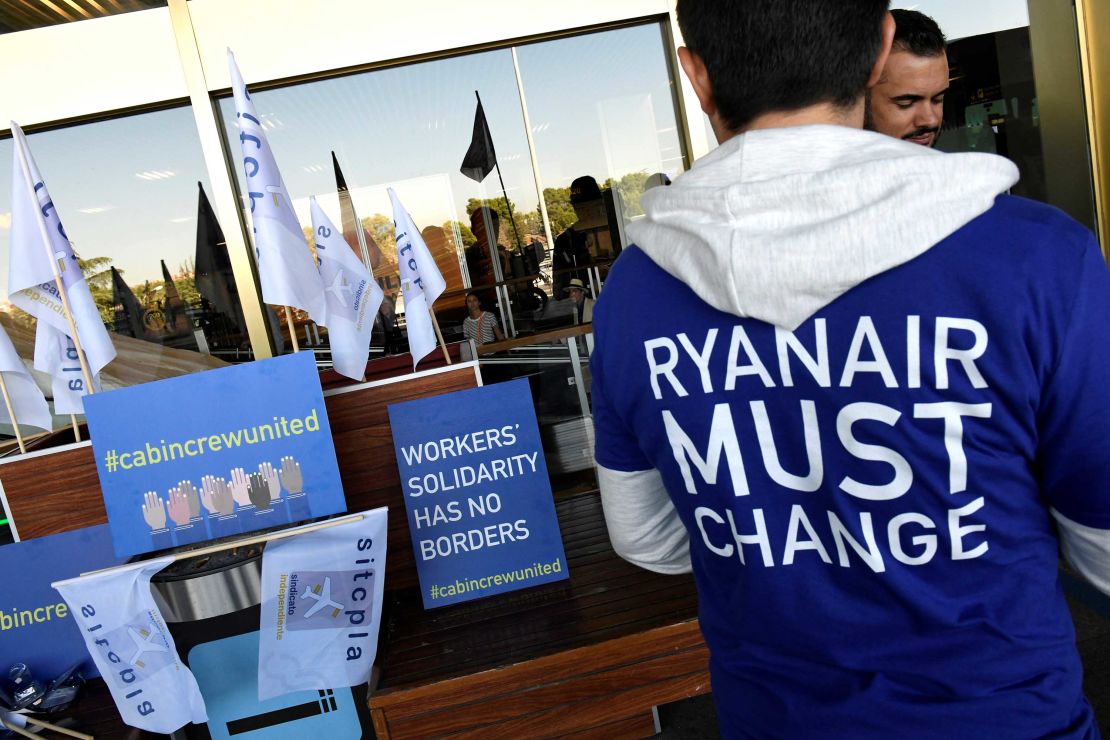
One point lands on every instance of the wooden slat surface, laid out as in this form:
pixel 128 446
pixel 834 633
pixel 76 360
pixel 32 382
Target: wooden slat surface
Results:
pixel 60 491
pixel 560 659
pixel 605 598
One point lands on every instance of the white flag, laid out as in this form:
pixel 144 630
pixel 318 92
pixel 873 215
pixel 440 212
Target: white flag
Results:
pixel 352 295
pixel 321 607
pixel 31 284
pixel 134 652
pixel 421 281
pixel 27 400
pixel 286 269
pixel 56 355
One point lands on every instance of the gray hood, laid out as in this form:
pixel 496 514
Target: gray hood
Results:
pixel 776 224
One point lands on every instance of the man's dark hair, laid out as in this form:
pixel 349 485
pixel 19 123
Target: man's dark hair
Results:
pixel 783 55
pixel 482 212
pixel 918 34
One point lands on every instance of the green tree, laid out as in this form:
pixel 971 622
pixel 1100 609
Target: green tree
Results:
pixel 98 276
pixel 528 224
pixel 560 213
pixel 468 238
pixel 630 187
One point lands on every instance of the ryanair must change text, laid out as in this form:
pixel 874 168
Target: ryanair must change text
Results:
pixel 441 483
pixel 719 361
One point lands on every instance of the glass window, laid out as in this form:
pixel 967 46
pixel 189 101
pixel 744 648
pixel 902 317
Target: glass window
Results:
pixel 129 191
pixel 408 128
pixel 991 105
pixel 603 113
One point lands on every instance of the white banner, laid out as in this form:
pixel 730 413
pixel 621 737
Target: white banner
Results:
pixel 27 400
pixel 321 607
pixel 421 281
pixel 288 273
pixel 352 295
pixel 31 284
pixel 128 640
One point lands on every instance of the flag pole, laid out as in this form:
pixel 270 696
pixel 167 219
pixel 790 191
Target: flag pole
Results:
pixel 32 720
pixel 11 413
pixel 504 193
pixel 439 335
pixel 76 429
pixel 24 165
pixel 15 730
pixel 292 329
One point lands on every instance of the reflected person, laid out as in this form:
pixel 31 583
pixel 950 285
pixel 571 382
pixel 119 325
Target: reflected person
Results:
pixel 572 247
pixel 479 265
pixel 480 326
pixel 583 304
pixel 908 101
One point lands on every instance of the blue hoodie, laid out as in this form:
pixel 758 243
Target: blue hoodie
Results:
pixel 856 390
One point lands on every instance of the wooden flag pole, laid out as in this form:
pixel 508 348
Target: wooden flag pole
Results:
pixel 24 165
pixel 11 413
pixel 439 335
pixel 292 329
pixel 72 325
pixel 17 731
pixel 33 720
pixel 76 429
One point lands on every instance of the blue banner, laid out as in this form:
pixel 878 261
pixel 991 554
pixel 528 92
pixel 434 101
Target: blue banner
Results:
pixel 36 626
pixel 214 454
pixel 477 494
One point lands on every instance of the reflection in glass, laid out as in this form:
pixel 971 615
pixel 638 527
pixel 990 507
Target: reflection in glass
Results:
pixel 407 127
pixel 992 104
pixel 125 189
pixel 604 122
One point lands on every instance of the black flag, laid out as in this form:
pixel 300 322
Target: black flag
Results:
pixel 214 280
pixel 480 158
pixel 127 309
pixel 350 219
pixel 178 324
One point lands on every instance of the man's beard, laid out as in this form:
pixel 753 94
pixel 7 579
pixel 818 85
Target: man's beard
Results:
pixel 868 118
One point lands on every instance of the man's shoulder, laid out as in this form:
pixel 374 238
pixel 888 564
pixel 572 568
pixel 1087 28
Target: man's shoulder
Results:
pixel 1033 224
pixel 635 282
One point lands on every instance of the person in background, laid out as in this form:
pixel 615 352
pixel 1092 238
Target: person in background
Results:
pixel 859 391
pixel 572 247
pixel 908 101
pixel 484 221
pixel 583 304
pixel 480 326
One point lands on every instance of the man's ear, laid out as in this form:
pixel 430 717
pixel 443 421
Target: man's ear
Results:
pixel 696 72
pixel 884 51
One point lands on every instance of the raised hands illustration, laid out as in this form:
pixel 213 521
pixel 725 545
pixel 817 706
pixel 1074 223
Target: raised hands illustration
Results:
pixel 191 496
pixel 291 476
pixel 154 510
pixel 240 487
pixel 259 491
pixel 266 470
pixel 179 506
pixel 217 495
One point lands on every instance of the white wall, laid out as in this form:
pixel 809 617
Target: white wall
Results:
pixel 75 69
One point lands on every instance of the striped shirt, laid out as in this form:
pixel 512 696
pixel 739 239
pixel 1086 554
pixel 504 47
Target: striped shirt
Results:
pixel 480 329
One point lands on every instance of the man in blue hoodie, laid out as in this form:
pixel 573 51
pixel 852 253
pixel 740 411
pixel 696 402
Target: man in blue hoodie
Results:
pixel 867 408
